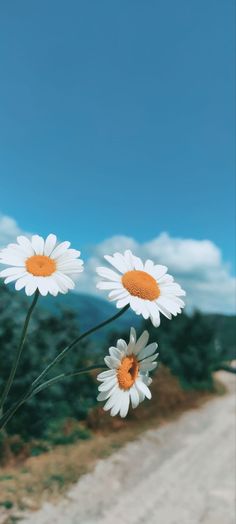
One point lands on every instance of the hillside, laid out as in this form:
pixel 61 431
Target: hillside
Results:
pixel 91 310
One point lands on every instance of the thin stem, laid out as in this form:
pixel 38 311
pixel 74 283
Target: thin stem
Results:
pixel 18 352
pixel 74 342
pixel 56 379
pixel 9 414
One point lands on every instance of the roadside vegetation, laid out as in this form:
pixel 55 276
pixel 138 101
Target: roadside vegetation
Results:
pixel 61 432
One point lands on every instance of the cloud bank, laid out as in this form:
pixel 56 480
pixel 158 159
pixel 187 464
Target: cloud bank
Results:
pixel 196 264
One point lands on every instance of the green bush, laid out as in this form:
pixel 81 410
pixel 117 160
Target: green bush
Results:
pixel 187 346
pixel 190 346
pixel 48 335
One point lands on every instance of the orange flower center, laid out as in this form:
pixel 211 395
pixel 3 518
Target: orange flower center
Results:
pixel 141 284
pixel 40 266
pixel 128 372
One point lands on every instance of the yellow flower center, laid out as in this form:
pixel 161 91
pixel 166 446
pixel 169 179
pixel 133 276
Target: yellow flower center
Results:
pixel 40 265
pixel 127 372
pixel 141 284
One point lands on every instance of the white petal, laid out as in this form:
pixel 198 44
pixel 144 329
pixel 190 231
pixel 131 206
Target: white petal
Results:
pixel 122 303
pixel 133 334
pixel 156 320
pixel 118 294
pixel 115 352
pixel 26 245
pixel 146 379
pixel 121 344
pixel 115 402
pixel 141 342
pixel 134 397
pixel 124 404
pixel 68 256
pixel 64 280
pixel 160 271
pixel 112 362
pixel 31 286
pixel 60 282
pixel 12 259
pixel 147 351
pixel 108 384
pixel 145 310
pixel 136 304
pixel 12 271
pixel 15 250
pixel 116 408
pixel 147 366
pixel 109 404
pixel 143 388
pixel 108 273
pixel 169 305
pixel 42 283
pixel 50 243
pixel 103 395
pixel 70 268
pixel 154 313
pixel 171 289
pixel 138 264
pixel 53 287
pixel 130 259
pixel 117 261
pixel 37 244
pixel 166 279
pixel 131 347
pixel 151 358
pixel 164 311
pixel 61 248
pixel 109 285
pixel 106 374
pixel 22 282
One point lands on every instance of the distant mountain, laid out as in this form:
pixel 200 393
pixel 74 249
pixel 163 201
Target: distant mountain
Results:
pixel 90 311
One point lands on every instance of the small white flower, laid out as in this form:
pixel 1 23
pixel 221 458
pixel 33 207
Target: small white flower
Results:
pixel 40 264
pixel 146 287
pixel 127 379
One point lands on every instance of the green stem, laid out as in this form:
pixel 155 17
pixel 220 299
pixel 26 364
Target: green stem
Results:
pixel 74 342
pixel 56 379
pixel 18 352
pixel 11 411
pixel 9 414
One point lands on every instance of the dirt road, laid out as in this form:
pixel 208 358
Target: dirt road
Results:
pixel 181 473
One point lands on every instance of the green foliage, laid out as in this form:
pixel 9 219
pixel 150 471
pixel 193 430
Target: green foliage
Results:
pixel 38 449
pixel 191 346
pixel 54 479
pixel 60 432
pixel 7 504
pixel 48 335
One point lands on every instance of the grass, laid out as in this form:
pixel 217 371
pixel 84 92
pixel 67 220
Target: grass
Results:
pixel 46 476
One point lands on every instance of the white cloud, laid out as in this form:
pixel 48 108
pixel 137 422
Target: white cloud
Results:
pixel 9 230
pixel 196 264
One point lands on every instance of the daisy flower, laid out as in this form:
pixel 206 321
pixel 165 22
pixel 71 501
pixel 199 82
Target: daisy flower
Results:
pixel 127 379
pixel 145 286
pixel 40 264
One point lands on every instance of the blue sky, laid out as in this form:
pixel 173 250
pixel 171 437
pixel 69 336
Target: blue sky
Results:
pixel 117 118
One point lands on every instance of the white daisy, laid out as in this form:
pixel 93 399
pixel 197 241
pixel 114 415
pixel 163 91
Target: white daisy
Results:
pixel 40 264
pixel 127 379
pixel 146 287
